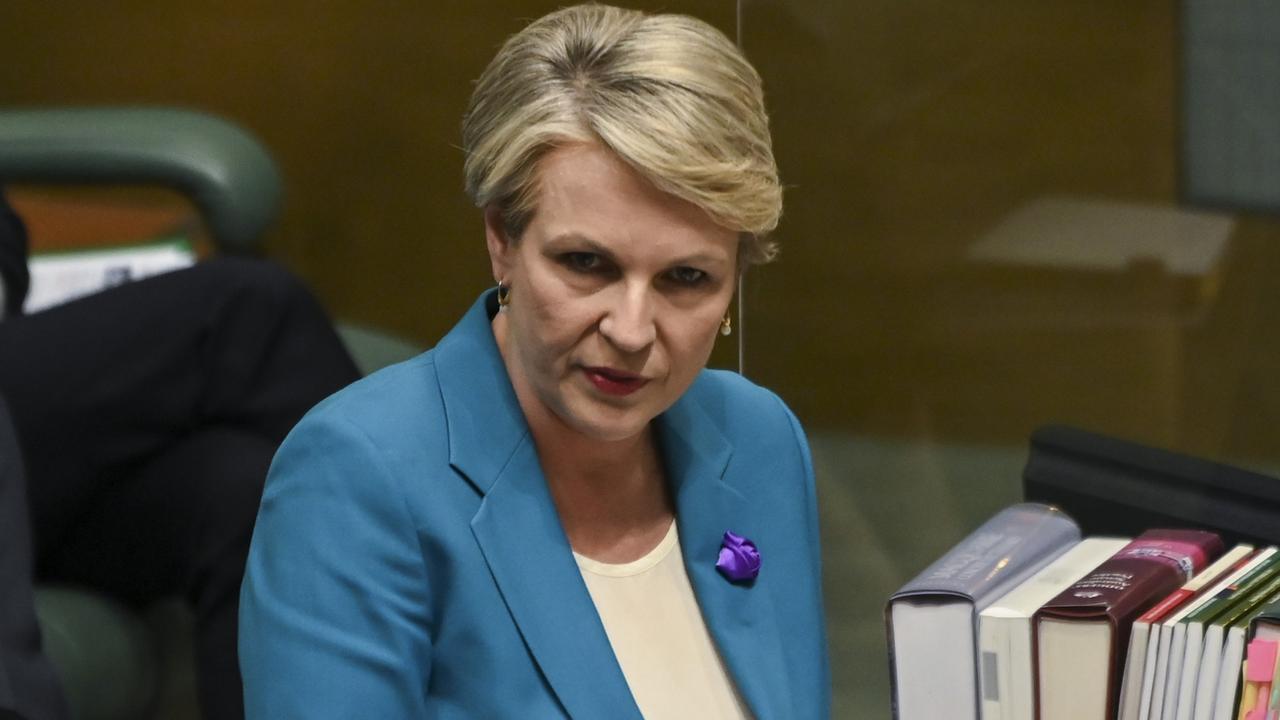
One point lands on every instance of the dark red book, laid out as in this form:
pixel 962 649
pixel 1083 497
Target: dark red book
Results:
pixel 1081 635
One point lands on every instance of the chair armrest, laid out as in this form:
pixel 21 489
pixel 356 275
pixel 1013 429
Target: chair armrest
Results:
pixel 225 171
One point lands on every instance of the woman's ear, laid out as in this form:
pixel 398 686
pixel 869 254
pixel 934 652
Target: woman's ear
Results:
pixel 500 246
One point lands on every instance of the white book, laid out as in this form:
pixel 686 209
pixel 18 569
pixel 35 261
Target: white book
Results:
pixel 1229 675
pixel 1157 670
pixel 1169 640
pixel 933 620
pixel 1005 667
pixel 1164 696
pixel 1138 675
pixel 1210 663
pixel 1173 642
pixel 1189 676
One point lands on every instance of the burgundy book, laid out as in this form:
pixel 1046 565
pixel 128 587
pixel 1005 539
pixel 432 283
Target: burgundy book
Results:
pixel 1081 634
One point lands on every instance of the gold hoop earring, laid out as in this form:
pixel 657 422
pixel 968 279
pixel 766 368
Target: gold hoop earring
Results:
pixel 504 296
pixel 726 325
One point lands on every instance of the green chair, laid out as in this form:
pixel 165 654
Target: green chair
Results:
pixel 115 661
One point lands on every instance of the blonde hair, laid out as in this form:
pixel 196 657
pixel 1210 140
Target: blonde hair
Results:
pixel 669 94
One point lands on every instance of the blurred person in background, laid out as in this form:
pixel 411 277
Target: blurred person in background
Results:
pixel 136 429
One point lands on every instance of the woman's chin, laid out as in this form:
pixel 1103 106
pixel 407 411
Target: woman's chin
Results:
pixel 606 424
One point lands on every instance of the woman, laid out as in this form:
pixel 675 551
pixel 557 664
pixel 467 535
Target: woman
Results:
pixel 557 511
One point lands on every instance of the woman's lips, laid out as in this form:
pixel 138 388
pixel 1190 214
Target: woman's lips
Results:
pixel 614 382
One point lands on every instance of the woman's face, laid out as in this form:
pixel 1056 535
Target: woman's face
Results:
pixel 617 293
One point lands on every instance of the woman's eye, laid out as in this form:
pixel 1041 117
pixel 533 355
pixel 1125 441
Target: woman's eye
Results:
pixel 688 275
pixel 583 261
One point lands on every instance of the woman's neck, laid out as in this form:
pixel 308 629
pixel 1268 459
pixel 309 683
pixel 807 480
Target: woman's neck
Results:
pixel 611 495
pixel 612 498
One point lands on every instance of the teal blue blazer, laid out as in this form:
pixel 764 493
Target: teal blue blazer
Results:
pixel 408 561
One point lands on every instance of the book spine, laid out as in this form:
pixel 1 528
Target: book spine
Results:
pixel 1160 609
pixel 1144 571
pixel 999 555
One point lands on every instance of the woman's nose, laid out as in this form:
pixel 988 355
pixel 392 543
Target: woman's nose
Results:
pixel 629 322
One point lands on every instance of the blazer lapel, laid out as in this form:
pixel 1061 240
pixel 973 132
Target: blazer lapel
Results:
pixel 532 563
pixel 518 529
pixel 739 616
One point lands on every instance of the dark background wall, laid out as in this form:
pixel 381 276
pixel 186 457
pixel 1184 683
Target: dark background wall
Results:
pixel 910 131
pixel 905 131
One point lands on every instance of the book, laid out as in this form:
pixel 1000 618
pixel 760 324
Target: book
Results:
pixel 931 621
pixel 1082 634
pixel 1172 640
pixel 1233 672
pixel 1162 638
pixel 1263 694
pixel 1259 677
pixel 1220 660
pixel 1266 624
pixel 1138 678
pixel 1004 630
pixel 1193 627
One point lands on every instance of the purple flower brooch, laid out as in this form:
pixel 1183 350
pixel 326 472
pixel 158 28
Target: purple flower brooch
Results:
pixel 739 559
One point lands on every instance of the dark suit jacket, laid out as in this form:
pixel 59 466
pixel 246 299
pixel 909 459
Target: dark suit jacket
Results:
pixel 13 260
pixel 408 561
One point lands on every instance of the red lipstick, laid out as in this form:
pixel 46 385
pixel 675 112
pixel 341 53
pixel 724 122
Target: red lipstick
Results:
pixel 614 382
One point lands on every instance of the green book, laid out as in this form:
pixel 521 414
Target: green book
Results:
pixel 1252 603
pixel 1236 592
pixel 1266 623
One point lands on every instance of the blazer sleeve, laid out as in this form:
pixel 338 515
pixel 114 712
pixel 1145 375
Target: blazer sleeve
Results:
pixel 334 612
pixel 822 683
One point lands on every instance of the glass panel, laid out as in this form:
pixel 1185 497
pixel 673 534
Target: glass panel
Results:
pixel 984 234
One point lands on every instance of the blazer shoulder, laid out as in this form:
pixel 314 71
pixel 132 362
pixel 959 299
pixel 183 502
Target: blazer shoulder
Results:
pixel 382 437
pixel 391 405
pixel 753 418
pixel 736 403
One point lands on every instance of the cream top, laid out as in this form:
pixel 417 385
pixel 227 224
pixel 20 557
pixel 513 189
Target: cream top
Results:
pixel 655 627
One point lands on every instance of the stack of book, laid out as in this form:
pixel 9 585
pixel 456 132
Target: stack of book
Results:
pixel 1024 619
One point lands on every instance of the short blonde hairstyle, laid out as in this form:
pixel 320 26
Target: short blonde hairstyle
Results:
pixel 669 94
